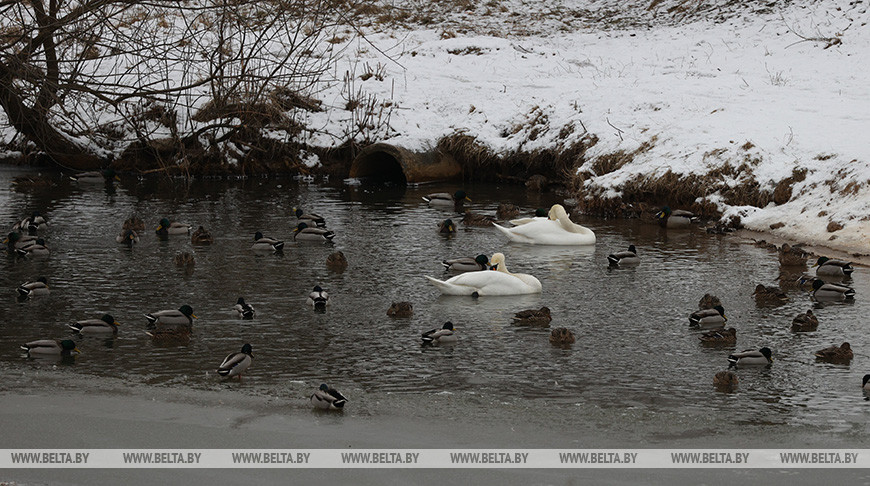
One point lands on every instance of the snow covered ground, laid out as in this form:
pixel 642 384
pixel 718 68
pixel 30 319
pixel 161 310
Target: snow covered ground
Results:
pixel 704 91
pixel 753 91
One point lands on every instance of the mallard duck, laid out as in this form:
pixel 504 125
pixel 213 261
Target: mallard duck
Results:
pixel 104 325
pixel 864 383
pixel 707 318
pixel 127 238
pixel 184 259
pixel 540 213
pixel 533 317
pixel 236 363
pixel 474 219
pixel 446 227
pixel 336 261
pixel 444 199
pixel 327 398
pixel 165 228
pixel 134 223
pixel 467 264
pixel 719 336
pixel 561 336
pixel 243 309
pixel 725 379
pixel 103 176
pixel 17 241
pixel 201 237
pixel 400 309
pixel 836 354
pixel 265 243
pixel 303 232
pixel 497 281
pixel 751 358
pixel 171 321
pixel 318 298
pixel 35 250
pixel 34 289
pixel 311 219
pixel 65 347
pixel 769 295
pixel 792 256
pixel 443 335
pixel 805 322
pixel 31 224
pixel 677 218
pixel 708 301
pixel 833 268
pixel 558 229
pixel 831 292
pixel 507 210
pixel 624 258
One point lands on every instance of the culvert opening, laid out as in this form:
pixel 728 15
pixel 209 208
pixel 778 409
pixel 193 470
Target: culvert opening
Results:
pixel 379 167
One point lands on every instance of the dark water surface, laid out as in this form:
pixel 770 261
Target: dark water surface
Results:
pixel 636 370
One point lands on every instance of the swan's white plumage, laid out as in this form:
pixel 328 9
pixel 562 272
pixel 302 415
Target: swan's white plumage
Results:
pixel 489 282
pixel 558 229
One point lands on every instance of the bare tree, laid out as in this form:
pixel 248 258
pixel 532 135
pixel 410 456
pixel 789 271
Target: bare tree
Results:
pixel 84 79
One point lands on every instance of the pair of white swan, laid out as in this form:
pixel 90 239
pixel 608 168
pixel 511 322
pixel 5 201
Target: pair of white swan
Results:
pixel 497 281
pixel 556 229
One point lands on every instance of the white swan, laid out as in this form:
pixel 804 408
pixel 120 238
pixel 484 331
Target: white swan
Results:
pixel 558 229
pixel 489 282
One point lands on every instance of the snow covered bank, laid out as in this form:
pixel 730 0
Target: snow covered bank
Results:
pixel 747 91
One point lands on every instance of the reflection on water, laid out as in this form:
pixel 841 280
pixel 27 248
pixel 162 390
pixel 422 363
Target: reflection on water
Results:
pixel 635 352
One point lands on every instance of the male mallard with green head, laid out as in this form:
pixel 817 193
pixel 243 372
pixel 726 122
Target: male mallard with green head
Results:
pixel 237 363
pixel 446 334
pixel 467 264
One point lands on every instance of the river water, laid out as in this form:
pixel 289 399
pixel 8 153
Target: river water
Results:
pixel 637 375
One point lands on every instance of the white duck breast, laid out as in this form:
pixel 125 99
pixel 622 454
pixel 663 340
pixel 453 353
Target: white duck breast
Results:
pixel 490 282
pixel 557 230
